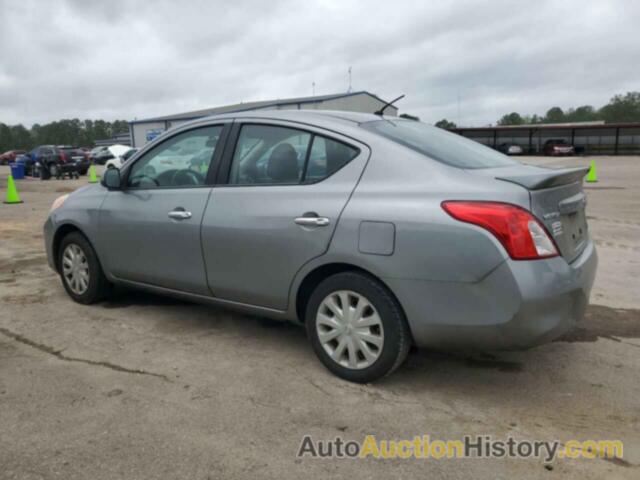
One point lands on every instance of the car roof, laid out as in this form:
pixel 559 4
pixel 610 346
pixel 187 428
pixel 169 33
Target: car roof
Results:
pixel 305 115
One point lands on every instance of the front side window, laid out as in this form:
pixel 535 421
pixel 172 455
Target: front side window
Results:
pixel 273 155
pixel 181 161
pixel 436 143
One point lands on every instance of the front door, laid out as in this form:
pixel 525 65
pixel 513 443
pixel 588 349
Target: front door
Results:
pixel 152 226
pixel 279 207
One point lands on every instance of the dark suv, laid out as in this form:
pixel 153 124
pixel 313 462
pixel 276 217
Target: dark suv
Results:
pixel 77 157
pixel 53 159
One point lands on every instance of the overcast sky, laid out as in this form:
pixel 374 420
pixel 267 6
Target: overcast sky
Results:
pixel 129 59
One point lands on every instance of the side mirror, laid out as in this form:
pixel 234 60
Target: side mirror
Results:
pixel 111 179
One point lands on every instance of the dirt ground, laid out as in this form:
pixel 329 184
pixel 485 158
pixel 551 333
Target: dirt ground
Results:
pixel 148 387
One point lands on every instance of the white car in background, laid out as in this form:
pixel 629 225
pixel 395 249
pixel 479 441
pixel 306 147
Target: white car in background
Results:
pixel 510 149
pixel 119 158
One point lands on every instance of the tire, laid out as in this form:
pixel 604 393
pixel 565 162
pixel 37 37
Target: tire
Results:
pixel 53 170
pixel 391 334
pixel 97 286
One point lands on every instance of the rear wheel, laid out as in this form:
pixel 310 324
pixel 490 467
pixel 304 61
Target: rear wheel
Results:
pixel 357 328
pixel 80 270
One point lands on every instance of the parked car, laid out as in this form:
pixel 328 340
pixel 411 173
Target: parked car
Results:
pixel 76 156
pixel 94 153
pixel 118 161
pixel 510 149
pixel 404 234
pixel 557 147
pixel 10 156
pixel 108 153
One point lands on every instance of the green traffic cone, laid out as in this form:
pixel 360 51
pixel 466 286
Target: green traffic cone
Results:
pixel 93 178
pixel 12 191
pixel 592 176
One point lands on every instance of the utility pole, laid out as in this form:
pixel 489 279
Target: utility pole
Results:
pixel 313 88
pixel 349 90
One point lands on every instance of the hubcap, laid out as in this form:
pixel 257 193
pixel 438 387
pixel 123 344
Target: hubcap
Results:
pixel 75 269
pixel 350 329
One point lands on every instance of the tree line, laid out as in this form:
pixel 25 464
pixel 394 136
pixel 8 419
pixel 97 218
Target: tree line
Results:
pixel 79 133
pixel 621 108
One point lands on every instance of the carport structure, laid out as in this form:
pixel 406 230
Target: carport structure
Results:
pixel 590 138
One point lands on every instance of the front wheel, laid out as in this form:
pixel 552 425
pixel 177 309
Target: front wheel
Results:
pixel 80 270
pixel 357 328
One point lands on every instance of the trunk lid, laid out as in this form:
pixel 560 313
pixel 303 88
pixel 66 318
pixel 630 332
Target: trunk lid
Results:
pixel 557 200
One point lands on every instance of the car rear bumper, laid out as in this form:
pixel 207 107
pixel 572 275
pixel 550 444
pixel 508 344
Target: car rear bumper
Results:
pixel 518 305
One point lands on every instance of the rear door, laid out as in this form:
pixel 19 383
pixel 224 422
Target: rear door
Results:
pixel 283 190
pixel 150 230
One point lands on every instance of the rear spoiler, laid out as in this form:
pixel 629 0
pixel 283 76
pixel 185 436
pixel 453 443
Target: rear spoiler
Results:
pixel 552 178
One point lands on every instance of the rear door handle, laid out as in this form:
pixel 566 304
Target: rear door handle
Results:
pixel 312 221
pixel 179 215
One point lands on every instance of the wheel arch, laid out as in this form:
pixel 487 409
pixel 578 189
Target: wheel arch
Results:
pixel 313 278
pixel 61 232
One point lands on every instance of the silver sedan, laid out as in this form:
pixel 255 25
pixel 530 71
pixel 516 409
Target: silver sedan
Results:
pixel 376 233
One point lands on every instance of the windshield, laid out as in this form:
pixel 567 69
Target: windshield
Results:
pixel 436 143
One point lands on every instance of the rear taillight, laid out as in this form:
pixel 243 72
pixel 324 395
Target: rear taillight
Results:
pixel 521 234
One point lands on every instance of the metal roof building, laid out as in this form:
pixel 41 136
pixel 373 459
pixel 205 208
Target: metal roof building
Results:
pixel 118 139
pixel 143 131
pixel 590 138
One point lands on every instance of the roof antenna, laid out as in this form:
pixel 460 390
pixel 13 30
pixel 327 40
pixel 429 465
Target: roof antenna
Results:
pixel 349 90
pixel 388 104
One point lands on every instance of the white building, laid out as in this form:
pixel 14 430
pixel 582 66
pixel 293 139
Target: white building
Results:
pixel 143 131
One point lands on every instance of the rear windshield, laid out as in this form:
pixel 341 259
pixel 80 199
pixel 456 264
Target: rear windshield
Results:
pixel 436 143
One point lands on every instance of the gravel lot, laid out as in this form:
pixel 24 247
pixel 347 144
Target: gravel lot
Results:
pixel 148 387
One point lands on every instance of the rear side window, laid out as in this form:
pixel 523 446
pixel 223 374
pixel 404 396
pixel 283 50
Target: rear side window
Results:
pixel 327 156
pixel 274 155
pixel 436 143
pixel 269 155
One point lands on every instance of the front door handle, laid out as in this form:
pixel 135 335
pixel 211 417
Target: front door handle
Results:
pixel 312 221
pixel 179 215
